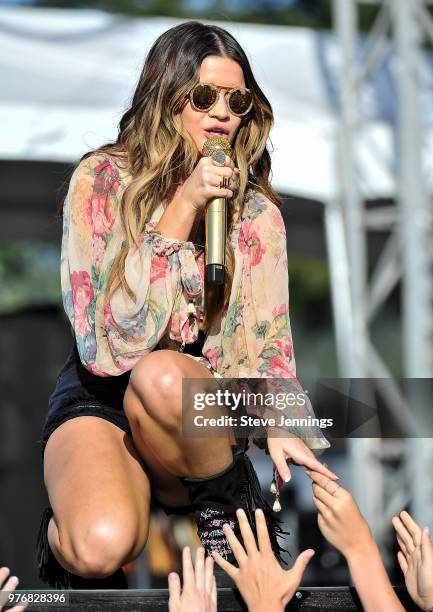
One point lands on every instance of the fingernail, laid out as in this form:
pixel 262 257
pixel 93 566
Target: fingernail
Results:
pixel 14 579
pixel 427 530
pixel 286 478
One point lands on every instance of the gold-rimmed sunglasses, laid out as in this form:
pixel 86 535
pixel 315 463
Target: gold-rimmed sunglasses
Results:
pixel 204 96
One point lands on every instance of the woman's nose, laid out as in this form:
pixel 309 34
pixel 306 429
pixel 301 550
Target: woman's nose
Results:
pixel 220 110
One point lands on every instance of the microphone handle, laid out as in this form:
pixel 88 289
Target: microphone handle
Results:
pixel 216 232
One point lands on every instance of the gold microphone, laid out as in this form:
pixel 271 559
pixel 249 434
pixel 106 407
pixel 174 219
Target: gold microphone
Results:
pixel 216 217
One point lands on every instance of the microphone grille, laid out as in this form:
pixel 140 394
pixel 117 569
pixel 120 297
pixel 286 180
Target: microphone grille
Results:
pixel 216 143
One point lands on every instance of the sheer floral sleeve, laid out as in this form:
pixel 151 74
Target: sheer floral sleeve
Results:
pixel 163 272
pixel 265 312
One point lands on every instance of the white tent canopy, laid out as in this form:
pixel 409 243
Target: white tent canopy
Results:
pixel 68 76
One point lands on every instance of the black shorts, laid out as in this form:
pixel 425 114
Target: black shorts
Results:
pixel 78 392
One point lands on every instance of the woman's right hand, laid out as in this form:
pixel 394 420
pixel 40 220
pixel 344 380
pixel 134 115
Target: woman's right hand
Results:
pixel 204 182
pixel 415 558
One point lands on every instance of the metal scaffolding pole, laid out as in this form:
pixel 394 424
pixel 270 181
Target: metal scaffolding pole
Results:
pixel 416 235
pixel 360 449
pixel 407 256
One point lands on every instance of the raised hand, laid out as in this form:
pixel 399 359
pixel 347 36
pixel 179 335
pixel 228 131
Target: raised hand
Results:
pixel 199 592
pixel 10 584
pixel 263 584
pixel 415 558
pixel 339 517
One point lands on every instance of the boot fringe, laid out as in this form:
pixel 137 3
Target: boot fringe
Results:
pixel 253 498
pixel 50 570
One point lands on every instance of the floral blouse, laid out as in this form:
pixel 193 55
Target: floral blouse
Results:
pixel 254 338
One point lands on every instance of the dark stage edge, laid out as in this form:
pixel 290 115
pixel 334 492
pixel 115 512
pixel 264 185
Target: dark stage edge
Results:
pixel 314 599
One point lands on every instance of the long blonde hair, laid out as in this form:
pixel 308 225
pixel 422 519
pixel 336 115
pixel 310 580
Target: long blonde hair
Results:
pixel 161 154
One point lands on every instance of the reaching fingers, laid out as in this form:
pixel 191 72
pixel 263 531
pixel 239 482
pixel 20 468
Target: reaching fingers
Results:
pixel 402 562
pixel 174 589
pixel 314 466
pixel 323 495
pixel 403 533
pixel 187 568
pixel 199 567
pixel 426 547
pixel 236 546
pixel 214 593
pixel 321 507
pixel 209 576
pixel 247 533
pixel 230 569
pixel 301 563
pixel 403 547
pixel 413 528
pixel 262 532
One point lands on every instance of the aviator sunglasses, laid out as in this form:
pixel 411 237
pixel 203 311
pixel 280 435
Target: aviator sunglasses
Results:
pixel 204 96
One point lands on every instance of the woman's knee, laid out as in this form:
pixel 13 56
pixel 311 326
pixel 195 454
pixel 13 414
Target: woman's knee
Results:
pixel 97 548
pixel 156 380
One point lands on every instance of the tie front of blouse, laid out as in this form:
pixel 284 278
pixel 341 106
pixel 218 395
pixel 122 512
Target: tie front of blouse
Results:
pixel 253 338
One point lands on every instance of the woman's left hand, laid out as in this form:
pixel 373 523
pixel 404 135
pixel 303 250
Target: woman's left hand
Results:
pixel 295 449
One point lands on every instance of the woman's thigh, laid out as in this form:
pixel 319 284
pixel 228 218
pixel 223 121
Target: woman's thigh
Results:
pixel 152 399
pixel 99 492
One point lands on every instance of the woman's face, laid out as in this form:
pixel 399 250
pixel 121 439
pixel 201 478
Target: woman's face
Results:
pixel 224 72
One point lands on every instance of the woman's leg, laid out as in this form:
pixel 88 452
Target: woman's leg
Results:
pixel 100 496
pixel 153 405
pixel 206 472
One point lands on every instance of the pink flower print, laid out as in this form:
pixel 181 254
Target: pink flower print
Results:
pixel 159 267
pixel 285 346
pixel 278 220
pixel 279 367
pixel 98 250
pixel 101 214
pixel 212 355
pixel 200 265
pixel 279 310
pixel 249 242
pixel 106 182
pixel 108 317
pixel 82 295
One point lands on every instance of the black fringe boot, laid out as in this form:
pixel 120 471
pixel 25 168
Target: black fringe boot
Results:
pixel 51 572
pixel 216 499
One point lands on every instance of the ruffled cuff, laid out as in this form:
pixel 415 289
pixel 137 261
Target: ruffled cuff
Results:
pixel 297 420
pixel 163 245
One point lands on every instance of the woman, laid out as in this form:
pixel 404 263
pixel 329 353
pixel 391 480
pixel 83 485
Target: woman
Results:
pixel 133 282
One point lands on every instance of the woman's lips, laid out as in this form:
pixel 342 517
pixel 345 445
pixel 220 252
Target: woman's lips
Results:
pixel 210 134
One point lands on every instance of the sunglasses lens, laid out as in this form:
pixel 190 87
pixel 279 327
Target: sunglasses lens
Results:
pixel 203 96
pixel 240 101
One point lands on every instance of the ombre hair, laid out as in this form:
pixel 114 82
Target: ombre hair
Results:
pixel 161 155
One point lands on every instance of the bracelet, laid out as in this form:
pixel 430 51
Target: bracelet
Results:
pixel 430 609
